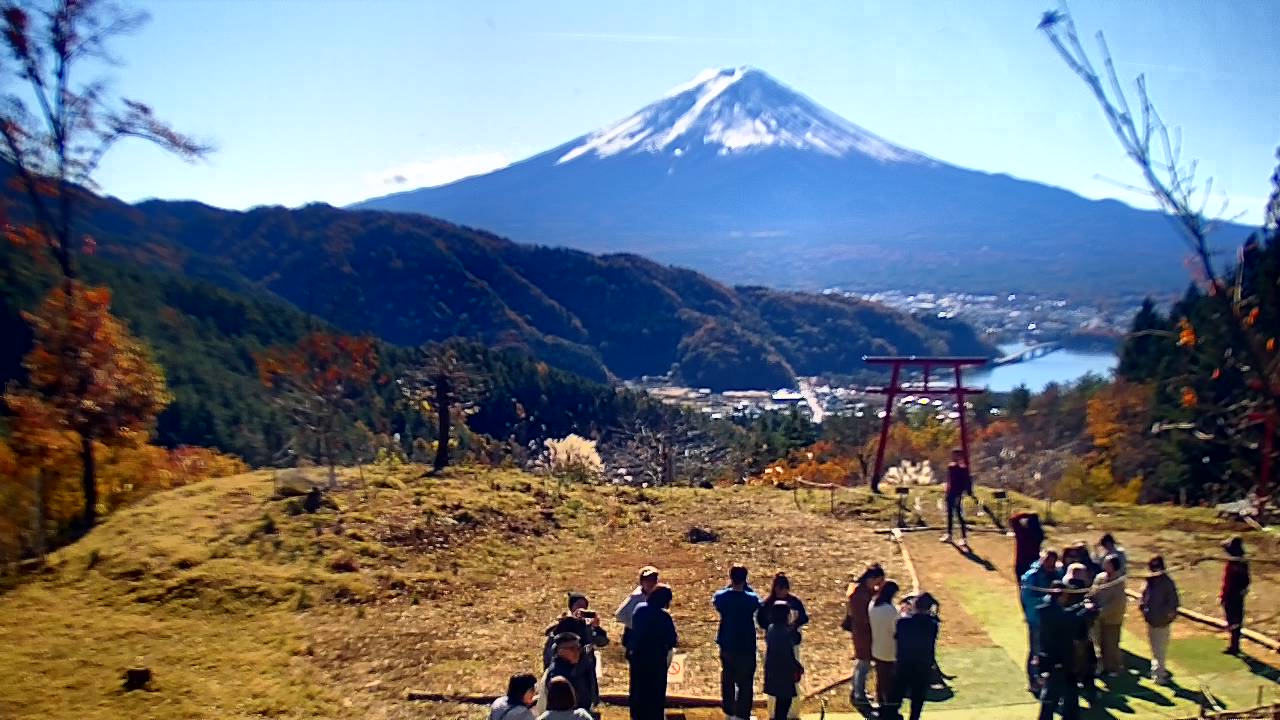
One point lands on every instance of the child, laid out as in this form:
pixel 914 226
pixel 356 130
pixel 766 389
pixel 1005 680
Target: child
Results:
pixel 782 670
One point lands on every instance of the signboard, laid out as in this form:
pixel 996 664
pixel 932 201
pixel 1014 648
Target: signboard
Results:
pixel 675 669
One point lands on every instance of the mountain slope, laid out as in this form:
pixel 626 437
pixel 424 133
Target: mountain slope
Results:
pixel 739 176
pixel 412 280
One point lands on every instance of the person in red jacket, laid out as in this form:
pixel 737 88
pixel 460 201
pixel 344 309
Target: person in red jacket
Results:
pixel 1028 536
pixel 1235 585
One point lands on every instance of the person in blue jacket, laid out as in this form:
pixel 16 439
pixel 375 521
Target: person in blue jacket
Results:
pixel 737 605
pixel 1034 583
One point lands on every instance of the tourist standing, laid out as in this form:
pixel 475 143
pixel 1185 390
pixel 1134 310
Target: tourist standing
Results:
pixel 1159 607
pixel 884 646
pixel 1109 595
pixel 517 704
pixel 1235 585
pixel 653 638
pixel 1060 624
pixel 648 581
pixel 1107 544
pixel 861 593
pixel 959 484
pixel 782 669
pixel 917 642
pixel 737 605
pixel 780 591
pixel 1028 536
pixel 1035 583
pixel 566 664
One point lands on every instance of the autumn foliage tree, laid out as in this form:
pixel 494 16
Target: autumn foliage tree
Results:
pixel 87 374
pixel 316 382
pixel 1240 307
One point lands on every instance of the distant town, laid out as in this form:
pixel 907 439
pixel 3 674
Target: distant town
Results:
pixel 1010 319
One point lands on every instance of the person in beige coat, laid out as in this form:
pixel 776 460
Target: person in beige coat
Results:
pixel 1108 594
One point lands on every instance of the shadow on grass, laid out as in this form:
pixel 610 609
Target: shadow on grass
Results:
pixel 1259 668
pixel 968 554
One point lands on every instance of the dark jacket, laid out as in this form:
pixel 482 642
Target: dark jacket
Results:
pixel 1159 603
pixel 1060 628
pixel 583 682
pixel 587 635
pixel 781 669
pixel 764 614
pixel 653 635
pixel 917 637
pixel 860 621
pixel 1028 536
pixel 959 481
pixel 737 632
pixel 1235 582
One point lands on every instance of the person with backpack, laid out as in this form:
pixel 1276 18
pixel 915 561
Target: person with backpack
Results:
pixel 782 669
pixel 737 605
pixel 517 704
pixel 1235 585
pixel 916 635
pixel 1159 605
pixel 857 621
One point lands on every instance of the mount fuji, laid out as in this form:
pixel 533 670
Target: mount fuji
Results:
pixel 741 177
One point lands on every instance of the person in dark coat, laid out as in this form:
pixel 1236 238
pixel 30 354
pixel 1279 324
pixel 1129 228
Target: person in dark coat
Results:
pixel 1062 621
pixel 1028 536
pixel 566 664
pixel 780 591
pixel 917 638
pixel 782 670
pixel 585 624
pixel 1159 605
pixel 653 637
pixel 1235 585
pixel 959 484
pixel 737 605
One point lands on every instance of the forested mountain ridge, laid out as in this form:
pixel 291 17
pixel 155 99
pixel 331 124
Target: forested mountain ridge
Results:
pixel 413 279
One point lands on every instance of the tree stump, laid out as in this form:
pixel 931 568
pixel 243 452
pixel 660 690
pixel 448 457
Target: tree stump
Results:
pixel 136 678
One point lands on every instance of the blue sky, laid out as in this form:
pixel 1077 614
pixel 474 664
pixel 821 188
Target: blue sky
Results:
pixel 327 100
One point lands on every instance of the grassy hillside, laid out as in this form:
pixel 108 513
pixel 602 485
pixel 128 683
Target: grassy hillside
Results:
pixel 245 606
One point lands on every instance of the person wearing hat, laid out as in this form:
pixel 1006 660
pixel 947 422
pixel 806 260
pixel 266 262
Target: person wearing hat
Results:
pixel 585 624
pixel 625 611
pixel 857 621
pixel 1159 605
pixel 737 605
pixel 1235 585
pixel 568 656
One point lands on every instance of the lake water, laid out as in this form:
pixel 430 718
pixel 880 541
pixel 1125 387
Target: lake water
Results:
pixel 1059 366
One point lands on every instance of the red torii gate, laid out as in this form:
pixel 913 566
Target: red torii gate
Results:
pixel 896 387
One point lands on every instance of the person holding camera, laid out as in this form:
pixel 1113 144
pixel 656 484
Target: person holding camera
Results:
pixel 584 623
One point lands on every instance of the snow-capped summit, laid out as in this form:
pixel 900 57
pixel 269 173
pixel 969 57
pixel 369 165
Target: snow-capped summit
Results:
pixel 733 110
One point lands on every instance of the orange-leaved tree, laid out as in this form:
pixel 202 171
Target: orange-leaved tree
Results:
pixel 316 382
pixel 87 374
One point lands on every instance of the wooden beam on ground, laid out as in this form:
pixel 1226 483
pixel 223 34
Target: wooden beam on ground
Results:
pixel 1248 634
pixel 608 698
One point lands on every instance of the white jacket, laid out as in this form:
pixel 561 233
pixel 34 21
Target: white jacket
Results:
pixel 884 625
